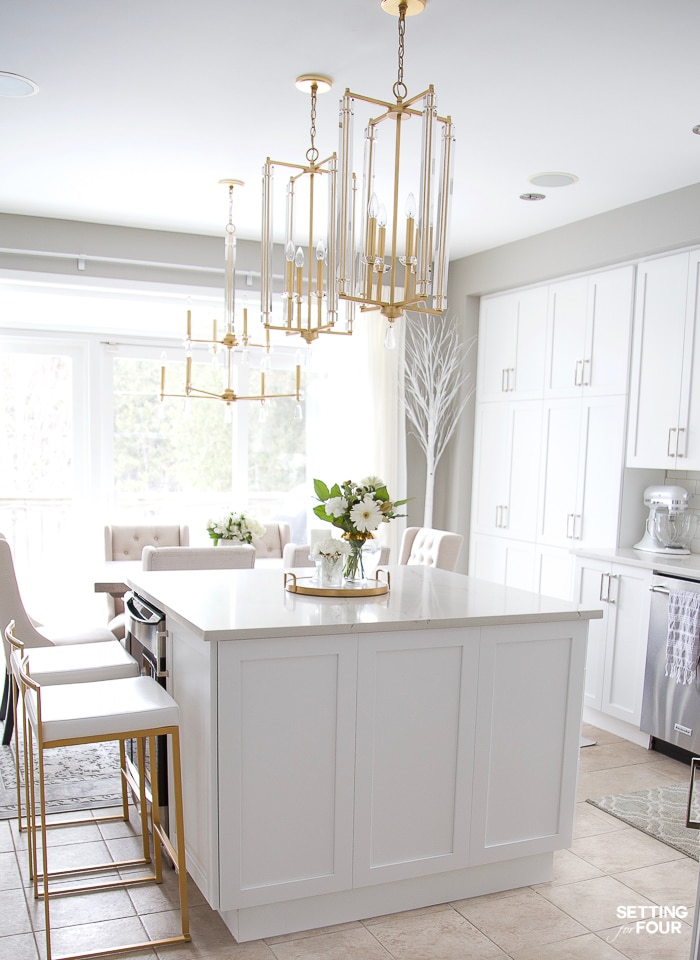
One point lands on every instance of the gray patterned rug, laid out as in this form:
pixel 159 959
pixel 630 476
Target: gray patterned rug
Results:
pixel 78 778
pixel 659 812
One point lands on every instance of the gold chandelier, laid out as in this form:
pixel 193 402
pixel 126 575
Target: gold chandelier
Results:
pixel 398 256
pixel 310 304
pixel 229 342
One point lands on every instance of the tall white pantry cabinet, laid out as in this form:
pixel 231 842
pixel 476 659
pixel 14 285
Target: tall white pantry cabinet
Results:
pixel 550 443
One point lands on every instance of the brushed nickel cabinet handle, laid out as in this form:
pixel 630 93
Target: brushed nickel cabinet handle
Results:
pixel 678 437
pixel 689 821
pixel 668 445
pixel 586 380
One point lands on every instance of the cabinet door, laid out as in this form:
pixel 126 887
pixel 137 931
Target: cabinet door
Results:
pixel 657 362
pixel 599 481
pixel 416 714
pixel 566 337
pixel 505 474
pixel 286 768
pixel 592 587
pixel 625 654
pixel 608 330
pixel 688 445
pixel 512 330
pixel 509 562
pixel 554 571
pixel 559 471
pixel 530 680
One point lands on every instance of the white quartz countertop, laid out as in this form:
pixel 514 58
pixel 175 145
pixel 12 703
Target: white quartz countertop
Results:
pixel 247 604
pixel 687 566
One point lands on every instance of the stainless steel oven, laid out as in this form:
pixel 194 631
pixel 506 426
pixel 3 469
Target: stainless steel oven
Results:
pixel 670 710
pixel 145 640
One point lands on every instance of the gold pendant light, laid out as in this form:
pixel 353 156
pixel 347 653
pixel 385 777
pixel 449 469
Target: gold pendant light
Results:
pixel 396 257
pixel 229 342
pixel 310 304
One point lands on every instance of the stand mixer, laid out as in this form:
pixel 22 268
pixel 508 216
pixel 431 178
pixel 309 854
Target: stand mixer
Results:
pixel 670 525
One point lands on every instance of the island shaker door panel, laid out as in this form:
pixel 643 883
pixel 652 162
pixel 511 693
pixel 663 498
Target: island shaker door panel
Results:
pixel 415 733
pixel 286 753
pixel 528 727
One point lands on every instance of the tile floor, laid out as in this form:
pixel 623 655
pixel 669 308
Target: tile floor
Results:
pixel 573 917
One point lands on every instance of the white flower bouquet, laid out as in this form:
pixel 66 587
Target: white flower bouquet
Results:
pixel 236 527
pixel 330 547
pixel 358 509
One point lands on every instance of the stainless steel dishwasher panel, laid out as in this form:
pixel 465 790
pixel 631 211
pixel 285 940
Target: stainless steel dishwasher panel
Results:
pixel 670 710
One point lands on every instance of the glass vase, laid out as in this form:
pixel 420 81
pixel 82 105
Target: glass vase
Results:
pixel 332 571
pixel 362 560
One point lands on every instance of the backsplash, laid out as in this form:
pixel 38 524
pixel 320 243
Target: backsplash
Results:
pixel 690 480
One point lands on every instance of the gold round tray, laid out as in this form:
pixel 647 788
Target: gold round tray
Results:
pixel 295 584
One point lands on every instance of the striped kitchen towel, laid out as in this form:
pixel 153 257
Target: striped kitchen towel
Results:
pixel 683 642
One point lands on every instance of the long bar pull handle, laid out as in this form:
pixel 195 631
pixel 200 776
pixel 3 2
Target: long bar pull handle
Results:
pixel 569 524
pixel 602 581
pixel 574 535
pixel 511 379
pixel 689 821
pixel 611 577
pixel 668 445
pixel 498 514
pixel 678 437
pixel 586 380
pixel 504 515
pixel 578 374
pixel 504 380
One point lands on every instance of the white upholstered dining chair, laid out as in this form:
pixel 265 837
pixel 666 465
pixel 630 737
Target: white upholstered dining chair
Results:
pixel 237 557
pixel 272 543
pixel 430 548
pixel 126 542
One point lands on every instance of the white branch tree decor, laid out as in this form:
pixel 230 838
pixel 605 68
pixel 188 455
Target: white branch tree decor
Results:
pixel 435 393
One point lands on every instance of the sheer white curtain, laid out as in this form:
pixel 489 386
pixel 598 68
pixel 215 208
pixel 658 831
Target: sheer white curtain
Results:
pixel 354 407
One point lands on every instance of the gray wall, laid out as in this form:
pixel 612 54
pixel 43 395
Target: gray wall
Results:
pixel 630 233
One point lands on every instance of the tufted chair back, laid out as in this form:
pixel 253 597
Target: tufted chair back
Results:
pixel 237 557
pixel 273 541
pixel 126 542
pixel 430 548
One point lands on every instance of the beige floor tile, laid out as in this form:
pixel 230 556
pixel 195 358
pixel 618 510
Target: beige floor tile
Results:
pixel 420 912
pixel 600 736
pixel 71 911
pixel 568 868
pixel 594 903
pixel 670 884
pixel 487 898
pixel 210 937
pixel 96 936
pixel 591 821
pixel 521 921
pixel 587 947
pixel 315 932
pixel 605 756
pixel 355 944
pixel 650 946
pixel 14 916
pixel 156 897
pixel 624 849
pixel 446 935
pixel 10 876
pixel 6 841
pixel 636 776
pixel 20 947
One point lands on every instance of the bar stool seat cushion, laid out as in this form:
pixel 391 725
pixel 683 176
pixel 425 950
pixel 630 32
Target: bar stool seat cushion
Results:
pixel 108 709
pixel 61 638
pixel 77 663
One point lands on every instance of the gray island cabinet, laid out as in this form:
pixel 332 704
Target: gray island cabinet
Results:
pixel 346 758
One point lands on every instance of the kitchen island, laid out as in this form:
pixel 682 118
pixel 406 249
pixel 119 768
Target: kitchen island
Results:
pixel 346 758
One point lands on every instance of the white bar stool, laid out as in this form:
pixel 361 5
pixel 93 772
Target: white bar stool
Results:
pixel 67 714
pixel 77 663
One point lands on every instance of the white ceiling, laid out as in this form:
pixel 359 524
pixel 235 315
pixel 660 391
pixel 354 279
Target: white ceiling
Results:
pixel 144 105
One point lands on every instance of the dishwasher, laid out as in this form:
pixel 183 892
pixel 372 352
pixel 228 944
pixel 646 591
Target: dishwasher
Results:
pixel 670 710
pixel 145 640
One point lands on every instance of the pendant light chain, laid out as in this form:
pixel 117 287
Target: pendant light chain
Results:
pixel 399 88
pixel 312 152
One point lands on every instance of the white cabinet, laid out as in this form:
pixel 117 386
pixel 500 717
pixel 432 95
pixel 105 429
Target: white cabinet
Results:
pixel 617 643
pixel 523 798
pixel 505 469
pixel 588 334
pixel 286 745
pixel 512 331
pixel 511 562
pixel 415 754
pixel 581 471
pixel 664 417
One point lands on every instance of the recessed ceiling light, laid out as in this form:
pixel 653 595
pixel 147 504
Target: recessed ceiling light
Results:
pixel 553 179
pixel 532 196
pixel 12 85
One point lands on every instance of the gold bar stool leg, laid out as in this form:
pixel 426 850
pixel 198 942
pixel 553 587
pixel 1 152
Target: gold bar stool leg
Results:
pixel 143 805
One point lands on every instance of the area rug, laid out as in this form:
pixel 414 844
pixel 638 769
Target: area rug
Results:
pixel 77 778
pixel 660 813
